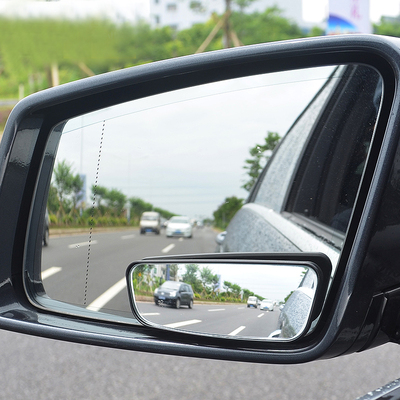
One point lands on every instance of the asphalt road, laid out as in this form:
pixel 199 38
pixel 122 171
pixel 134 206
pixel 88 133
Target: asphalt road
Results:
pixel 87 266
pixel 224 319
pixel 39 368
pixel 76 266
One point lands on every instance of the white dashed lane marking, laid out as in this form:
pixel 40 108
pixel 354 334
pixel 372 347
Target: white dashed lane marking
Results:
pixel 82 244
pixel 236 331
pixel 168 248
pixel 183 323
pixel 108 295
pixel 50 271
pixel 126 237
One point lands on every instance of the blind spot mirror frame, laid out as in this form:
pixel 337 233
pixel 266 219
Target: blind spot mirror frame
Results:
pixel 174 294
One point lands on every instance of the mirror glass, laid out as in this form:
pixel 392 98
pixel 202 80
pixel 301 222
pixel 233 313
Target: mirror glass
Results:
pixel 263 301
pixel 167 174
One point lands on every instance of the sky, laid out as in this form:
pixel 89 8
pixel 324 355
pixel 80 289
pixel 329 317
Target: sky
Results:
pixel 273 282
pixel 184 151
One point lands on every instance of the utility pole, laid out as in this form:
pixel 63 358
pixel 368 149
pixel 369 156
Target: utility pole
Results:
pixel 227 25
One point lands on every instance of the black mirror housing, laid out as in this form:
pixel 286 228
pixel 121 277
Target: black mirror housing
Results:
pixel 359 309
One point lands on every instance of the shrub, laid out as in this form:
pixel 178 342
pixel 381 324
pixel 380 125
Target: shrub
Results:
pixel 67 220
pixel 53 219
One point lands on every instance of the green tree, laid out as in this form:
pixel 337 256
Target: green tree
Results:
pixel 316 31
pixel 53 202
pixel 226 211
pixel 138 207
pixel 115 201
pixel 267 26
pixel 77 185
pixel 208 279
pixel 260 154
pixel 247 293
pixel 142 274
pixel 140 44
pixel 164 213
pixel 99 193
pixel 109 201
pixel 173 271
pixel 387 28
pixel 67 185
pixel 236 290
pixel 228 287
pixel 191 278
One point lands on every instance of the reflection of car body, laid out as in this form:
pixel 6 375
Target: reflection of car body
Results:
pixel 252 301
pixel 174 294
pixel 179 226
pixel 46 230
pixel 294 312
pixel 220 241
pixel 267 305
pixel 150 221
pixel 287 210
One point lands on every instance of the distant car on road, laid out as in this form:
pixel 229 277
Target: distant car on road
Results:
pixel 267 305
pixel 252 301
pixel 179 226
pixel 150 221
pixel 174 294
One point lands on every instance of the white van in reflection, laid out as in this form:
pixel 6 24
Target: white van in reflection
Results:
pixel 150 221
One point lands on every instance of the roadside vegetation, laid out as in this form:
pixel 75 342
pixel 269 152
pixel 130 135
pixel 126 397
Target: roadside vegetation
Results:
pixel 205 284
pixel 105 208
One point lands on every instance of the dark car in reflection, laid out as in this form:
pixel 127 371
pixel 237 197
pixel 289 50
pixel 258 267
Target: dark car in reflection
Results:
pixel 174 294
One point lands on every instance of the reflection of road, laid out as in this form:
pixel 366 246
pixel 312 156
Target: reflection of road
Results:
pixel 90 271
pixel 55 369
pixel 225 319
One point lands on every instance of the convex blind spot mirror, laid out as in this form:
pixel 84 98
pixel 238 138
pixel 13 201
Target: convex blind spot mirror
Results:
pixel 183 153
pixel 253 299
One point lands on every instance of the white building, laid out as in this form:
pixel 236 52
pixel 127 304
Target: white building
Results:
pixel 182 14
pixel 175 13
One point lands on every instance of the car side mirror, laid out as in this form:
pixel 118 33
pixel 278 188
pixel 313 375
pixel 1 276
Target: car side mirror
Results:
pixel 222 309
pixel 116 126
